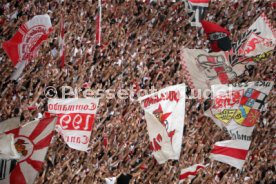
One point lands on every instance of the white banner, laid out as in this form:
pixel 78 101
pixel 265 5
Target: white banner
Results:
pixel 203 69
pixel 75 120
pixel 237 107
pixel 164 113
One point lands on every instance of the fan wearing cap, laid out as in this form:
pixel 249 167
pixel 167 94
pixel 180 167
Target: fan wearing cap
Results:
pixel 218 36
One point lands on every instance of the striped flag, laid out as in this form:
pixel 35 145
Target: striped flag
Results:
pixel 31 142
pixel 232 152
pixel 98 24
pixel 61 44
pixel 190 172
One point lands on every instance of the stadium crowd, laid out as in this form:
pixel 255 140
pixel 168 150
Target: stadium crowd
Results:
pixel 140 49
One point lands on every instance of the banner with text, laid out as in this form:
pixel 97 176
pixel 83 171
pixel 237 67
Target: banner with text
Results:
pixel 164 113
pixel 75 120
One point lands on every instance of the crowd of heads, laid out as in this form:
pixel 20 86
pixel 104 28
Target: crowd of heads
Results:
pixel 140 47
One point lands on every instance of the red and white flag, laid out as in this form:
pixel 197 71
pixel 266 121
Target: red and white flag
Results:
pixel 203 69
pixel 237 107
pixel 190 172
pixel 24 45
pixel 164 113
pixel 197 8
pixel 61 44
pixel 75 120
pixel 31 142
pixel 232 152
pixel 260 38
pixel 99 24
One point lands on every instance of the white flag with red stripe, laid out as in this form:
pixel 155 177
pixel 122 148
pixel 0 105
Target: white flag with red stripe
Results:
pixel 31 142
pixel 75 120
pixel 61 44
pixel 164 113
pixel 99 24
pixel 232 152
pixel 24 45
pixel 190 172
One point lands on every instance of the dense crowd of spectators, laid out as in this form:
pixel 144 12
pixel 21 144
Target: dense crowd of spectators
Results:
pixel 140 48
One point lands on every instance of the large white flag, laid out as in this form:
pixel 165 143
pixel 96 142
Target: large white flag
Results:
pixel 232 152
pixel 237 107
pixel 164 113
pixel 203 69
pixel 75 119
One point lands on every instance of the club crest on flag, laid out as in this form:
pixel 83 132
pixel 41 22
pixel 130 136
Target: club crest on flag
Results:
pixel 31 142
pixel 250 106
pixel 223 105
pixel 23 46
pixel 236 107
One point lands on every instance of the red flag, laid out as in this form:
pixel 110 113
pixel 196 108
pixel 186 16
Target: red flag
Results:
pixel 98 24
pixel 23 46
pixel 61 44
pixel 218 36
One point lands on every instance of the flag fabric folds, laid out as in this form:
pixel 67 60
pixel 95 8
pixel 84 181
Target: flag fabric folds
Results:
pixel 99 24
pixel 218 36
pixel 75 120
pixel 190 172
pixel 260 38
pixel 232 152
pixel 237 107
pixel 197 9
pixel 24 45
pixel 164 113
pixel 31 142
pixel 203 69
pixel 61 44
pixel 7 148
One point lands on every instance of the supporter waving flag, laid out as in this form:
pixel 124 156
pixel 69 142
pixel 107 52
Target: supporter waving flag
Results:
pixel 218 36
pixel 237 107
pixel 164 113
pixel 31 142
pixel 24 45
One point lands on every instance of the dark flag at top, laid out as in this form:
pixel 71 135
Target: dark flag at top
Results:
pixel 218 36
